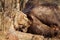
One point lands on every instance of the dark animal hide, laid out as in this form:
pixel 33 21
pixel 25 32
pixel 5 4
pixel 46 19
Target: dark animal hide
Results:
pixel 45 20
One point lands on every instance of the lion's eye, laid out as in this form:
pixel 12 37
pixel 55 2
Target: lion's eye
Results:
pixel 20 26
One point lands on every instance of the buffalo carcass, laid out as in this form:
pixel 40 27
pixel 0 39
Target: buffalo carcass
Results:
pixel 45 20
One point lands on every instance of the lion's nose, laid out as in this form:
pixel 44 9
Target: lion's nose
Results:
pixel 21 28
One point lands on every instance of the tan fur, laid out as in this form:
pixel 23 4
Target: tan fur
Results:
pixel 14 19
